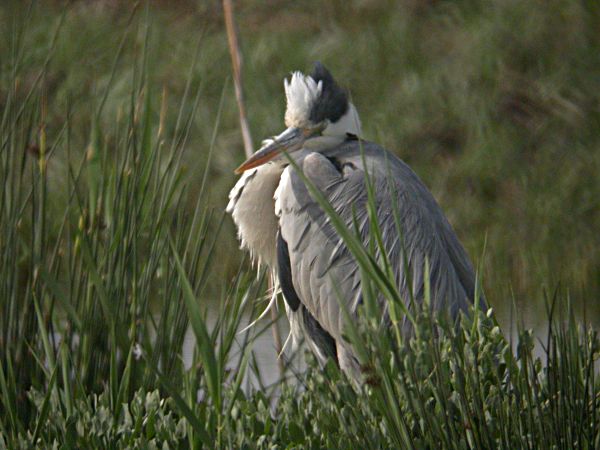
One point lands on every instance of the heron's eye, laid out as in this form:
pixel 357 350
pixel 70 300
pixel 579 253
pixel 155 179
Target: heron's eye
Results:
pixel 313 131
pixel 321 127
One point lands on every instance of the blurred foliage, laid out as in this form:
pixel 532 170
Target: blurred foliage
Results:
pixel 119 133
pixel 145 422
pixel 450 387
pixel 494 104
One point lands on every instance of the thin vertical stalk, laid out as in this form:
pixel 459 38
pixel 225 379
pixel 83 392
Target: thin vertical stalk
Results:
pixel 236 63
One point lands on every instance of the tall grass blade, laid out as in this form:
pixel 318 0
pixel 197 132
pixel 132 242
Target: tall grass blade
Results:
pixel 45 409
pixel 203 340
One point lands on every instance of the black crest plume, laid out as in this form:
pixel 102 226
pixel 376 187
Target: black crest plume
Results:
pixel 333 102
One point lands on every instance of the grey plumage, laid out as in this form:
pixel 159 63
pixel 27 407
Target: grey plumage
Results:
pixel 314 267
pixel 319 259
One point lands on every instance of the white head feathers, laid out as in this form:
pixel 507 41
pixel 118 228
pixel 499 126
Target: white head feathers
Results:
pixel 301 92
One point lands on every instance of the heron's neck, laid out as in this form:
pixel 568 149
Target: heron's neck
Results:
pixel 320 144
pixel 337 132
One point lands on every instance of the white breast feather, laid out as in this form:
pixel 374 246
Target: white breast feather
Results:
pixel 251 206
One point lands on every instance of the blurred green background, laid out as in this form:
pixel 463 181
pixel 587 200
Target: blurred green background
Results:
pixel 495 105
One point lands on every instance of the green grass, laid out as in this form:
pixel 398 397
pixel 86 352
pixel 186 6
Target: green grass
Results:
pixel 118 134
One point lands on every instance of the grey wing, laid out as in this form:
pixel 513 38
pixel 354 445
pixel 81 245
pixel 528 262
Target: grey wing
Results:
pixel 323 270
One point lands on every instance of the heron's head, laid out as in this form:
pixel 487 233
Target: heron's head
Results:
pixel 318 116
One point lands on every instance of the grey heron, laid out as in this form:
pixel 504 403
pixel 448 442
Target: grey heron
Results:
pixel 284 227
